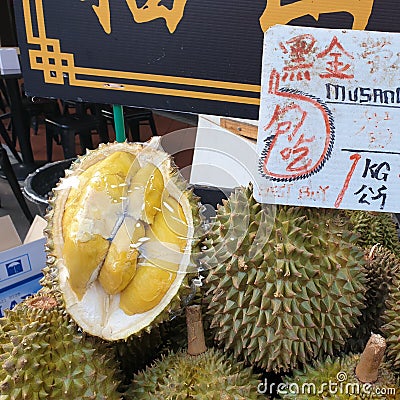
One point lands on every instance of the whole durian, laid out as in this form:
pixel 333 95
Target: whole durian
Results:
pixel 376 228
pixel 391 329
pixel 136 352
pixel 44 356
pixel 337 378
pixel 198 373
pixel 120 237
pixel 210 376
pixel 285 283
pixel 381 269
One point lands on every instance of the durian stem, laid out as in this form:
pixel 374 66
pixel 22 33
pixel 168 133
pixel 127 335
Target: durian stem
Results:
pixel 42 302
pixel 194 321
pixel 367 369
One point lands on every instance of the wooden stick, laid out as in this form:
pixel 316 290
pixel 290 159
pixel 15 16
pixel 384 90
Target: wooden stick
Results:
pixel 196 341
pixel 367 369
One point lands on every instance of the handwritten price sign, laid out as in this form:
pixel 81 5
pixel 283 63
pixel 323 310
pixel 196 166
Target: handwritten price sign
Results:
pixel 329 131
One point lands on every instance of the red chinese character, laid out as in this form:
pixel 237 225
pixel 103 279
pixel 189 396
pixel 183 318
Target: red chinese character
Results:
pixel 298 47
pixel 336 68
pixel 299 135
pixel 287 121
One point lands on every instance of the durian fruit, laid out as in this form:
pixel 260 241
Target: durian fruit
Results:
pixel 210 376
pixel 43 356
pixel 359 376
pixel 120 237
pixel 198 373
pixel 381 268
pixel 391 329
pixel 376 228
pixel 285 283
pixel 137 352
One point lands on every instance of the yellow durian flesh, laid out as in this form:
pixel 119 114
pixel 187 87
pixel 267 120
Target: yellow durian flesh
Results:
pixel 146 290
pixel 86 241
pixel 150 178
pixel 120 264
pixel 170 225
pixel 166 239
pixel 130 282
pixel 83 259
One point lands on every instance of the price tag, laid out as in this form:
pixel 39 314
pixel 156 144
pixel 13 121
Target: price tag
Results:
pixel 329 131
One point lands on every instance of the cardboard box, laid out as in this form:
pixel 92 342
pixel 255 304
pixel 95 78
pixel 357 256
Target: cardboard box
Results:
pixel 21 264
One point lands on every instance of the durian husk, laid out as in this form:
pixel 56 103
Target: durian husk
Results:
pixel 286 284
pixel 135 353
pixel 376 228
pixel 391 328
pixel 196 373
pixel 339 373
pixel 97 312
pixel 210 376
pixel 381 269
pixel 44 356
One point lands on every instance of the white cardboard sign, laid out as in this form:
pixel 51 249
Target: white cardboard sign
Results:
pixel 329 130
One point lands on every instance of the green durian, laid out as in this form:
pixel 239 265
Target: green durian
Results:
pixel 210 376
pixel 286 284
pixel 391 329
pixel 138 351
pixel 198 373
pixel 376 228
pixel 335 378
pixel 44 356
pixel 381 269
pixel 120 239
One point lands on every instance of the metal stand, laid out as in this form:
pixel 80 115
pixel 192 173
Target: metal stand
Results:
pixel 12 180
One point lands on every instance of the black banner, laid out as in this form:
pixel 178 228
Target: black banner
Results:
pixel 181 55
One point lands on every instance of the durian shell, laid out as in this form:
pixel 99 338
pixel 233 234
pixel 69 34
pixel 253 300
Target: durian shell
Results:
pixel 285 284
pixel 44 355
pixel 381 269
pixel 210 376
pixel 376 228
pixel 135 353
pixel 339 371
pixel 391 329
pixel 84 311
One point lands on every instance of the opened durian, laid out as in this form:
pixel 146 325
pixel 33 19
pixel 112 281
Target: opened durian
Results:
pixel 120 235
pixel 285 283
pixel 43 356
pixel 381 268
pixel 195 373
pixel 391 329
pixel 356 377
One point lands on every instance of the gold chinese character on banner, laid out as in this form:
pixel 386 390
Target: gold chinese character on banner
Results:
pixel 150 11
pixel 275 13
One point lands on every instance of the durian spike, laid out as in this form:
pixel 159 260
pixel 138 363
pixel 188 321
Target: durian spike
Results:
pixel 194 321
pixel 367 369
